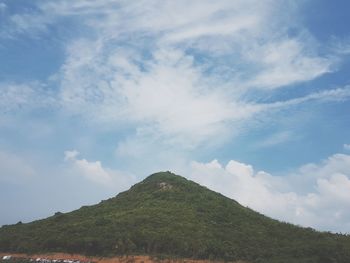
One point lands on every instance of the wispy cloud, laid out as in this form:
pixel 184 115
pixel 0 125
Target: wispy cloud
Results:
pixel 177 71
pixel 336 95
pixel 19 97
pixel 341 46
pixel 3 7
pixel 285 63
pixel 275 139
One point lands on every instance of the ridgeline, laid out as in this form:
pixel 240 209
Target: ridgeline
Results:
pixel 171 217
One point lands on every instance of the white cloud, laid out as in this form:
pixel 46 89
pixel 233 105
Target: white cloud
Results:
pixel 322 201
pixel 177 71
pixel 91 170
pixel 152 68
pixel 346 146
pixel 170 96
pixel 94 171
pixel 167 94
pixel 285 63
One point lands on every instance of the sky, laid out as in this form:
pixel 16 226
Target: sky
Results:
pixel 250 98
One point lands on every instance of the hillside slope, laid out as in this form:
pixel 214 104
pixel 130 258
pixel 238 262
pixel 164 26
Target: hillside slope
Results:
pixel 170 216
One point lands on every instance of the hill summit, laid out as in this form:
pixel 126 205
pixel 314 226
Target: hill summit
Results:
pixel 170 216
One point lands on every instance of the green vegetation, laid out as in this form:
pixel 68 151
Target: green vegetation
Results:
pixel 170 216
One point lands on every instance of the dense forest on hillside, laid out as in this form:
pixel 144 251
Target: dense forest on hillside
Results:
pixel 168 216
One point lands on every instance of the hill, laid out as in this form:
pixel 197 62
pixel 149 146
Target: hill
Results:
pixel 169 216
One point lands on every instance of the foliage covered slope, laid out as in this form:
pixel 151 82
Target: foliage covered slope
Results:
pixel 168 215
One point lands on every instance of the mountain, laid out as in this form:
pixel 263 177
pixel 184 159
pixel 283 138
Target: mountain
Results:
pixel 167 215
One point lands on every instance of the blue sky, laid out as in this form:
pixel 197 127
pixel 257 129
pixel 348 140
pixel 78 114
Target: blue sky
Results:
pixel 250 98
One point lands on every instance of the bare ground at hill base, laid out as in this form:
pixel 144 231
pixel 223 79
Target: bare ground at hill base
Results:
pixel 122 259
